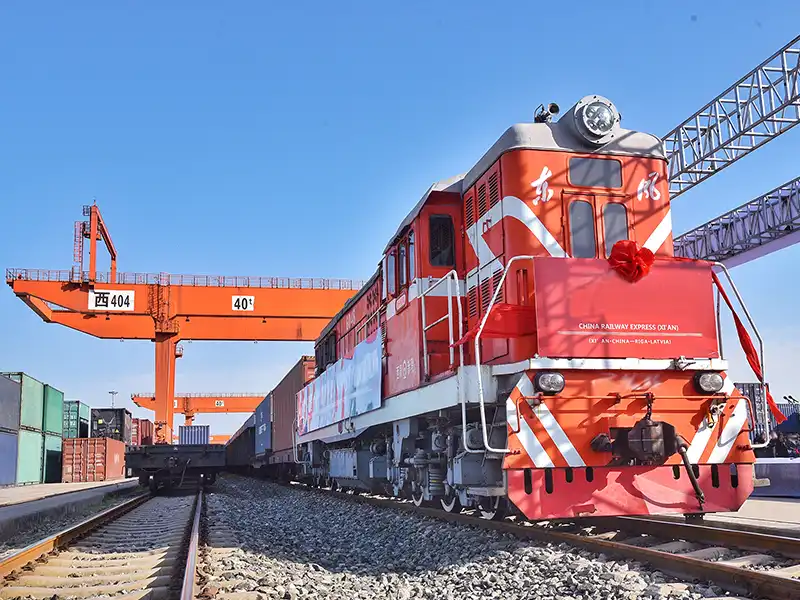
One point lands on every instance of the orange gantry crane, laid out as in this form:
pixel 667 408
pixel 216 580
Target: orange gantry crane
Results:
pixel 166 308
pixel 190 405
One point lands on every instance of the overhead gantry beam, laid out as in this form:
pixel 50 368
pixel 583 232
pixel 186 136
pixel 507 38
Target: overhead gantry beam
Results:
pixel 756 228
pixel 191 405
pixel 757 108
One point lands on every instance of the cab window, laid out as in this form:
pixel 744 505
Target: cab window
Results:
pixel 412 272
pixel 390 273
pixel 403 265
pixel 442 238
pixel 615 225
pixel 581 224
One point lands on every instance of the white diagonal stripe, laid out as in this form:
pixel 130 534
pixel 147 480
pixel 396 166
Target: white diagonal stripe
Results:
pixel 704 433
pixel 511 206
pixel 526 437
pixel 729 433
pixel 514 207
pixel 551 425
pixel 660 234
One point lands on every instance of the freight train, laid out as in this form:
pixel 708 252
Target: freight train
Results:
pixel 530 343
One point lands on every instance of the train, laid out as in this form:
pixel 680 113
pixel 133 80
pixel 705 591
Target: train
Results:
pixel 530 344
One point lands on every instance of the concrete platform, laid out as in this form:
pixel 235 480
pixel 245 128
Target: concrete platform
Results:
pixel 23 505
pixel 778 515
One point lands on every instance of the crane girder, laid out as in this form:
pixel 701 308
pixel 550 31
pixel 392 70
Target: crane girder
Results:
pixel 756 109
pixel 761 226
pixel 190 312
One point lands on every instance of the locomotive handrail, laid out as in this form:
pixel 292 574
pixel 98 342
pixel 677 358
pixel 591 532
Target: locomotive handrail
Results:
pixel 451 275
pixel 294 445
pixel 761 356
pixel 481 400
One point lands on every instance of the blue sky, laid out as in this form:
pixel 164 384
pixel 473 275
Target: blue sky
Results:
pixel 258 138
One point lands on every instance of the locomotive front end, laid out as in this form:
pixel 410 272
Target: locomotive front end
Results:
pixel 621 403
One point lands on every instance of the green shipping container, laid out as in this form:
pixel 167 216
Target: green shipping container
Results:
pixel 76 419
pixel 51 460
pixel 29 457
pixel 53 410
pixel 32 409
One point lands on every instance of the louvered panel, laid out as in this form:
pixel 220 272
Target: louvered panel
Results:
pixel 494 189
pixel 495 283
pixel 472 302
pixel 486 294
pixel 469 210
pixel 481 200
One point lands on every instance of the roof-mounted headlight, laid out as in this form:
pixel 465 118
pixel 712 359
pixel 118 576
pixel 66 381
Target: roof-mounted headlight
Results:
pixel 596 119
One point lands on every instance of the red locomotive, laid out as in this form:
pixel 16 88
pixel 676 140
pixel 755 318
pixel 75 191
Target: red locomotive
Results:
pixel 529 340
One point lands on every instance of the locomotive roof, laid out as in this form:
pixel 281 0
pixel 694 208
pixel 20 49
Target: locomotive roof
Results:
pixel 347 306
pixel 560 136
pixel 445 185
pixel 538 136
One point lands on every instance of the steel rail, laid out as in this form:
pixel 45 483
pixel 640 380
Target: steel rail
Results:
pixel 67 536
pixel 759 584
pixel 189 589
pixel 727 536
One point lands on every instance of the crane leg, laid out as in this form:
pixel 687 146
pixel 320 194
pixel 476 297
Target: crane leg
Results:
pixel 165 387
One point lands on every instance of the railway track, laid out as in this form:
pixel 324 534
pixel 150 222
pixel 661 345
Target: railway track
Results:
pixel 143 548
pixel 758 564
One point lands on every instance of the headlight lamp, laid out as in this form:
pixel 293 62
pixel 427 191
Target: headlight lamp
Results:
pixel 549 382
pixel 708 382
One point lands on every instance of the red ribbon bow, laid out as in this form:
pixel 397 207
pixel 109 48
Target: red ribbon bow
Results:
pixel 631 262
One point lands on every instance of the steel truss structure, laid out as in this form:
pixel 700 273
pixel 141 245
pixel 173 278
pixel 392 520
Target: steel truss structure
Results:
pixel 759 227
pixel 759 107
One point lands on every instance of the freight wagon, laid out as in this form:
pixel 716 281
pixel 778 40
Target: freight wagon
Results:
pixel 175 466
pixel 278 462
pixel 240 449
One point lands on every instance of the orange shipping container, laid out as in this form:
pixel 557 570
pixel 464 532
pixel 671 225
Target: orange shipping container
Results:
pixel 92 459
pixel 284 408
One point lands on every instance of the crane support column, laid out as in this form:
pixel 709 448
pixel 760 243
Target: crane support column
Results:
pixel 165 387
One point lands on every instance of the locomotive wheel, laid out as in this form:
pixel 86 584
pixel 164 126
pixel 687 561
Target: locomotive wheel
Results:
pixel 493 508
pixel 418 498
pixel 450 503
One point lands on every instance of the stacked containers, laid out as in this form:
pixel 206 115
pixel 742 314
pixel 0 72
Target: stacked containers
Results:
pixel 284 409
pixel 10 394
pixel 263 433
pixel 76 419
pixel 93 459
pixel 194 434
pixel 114 423
pixel 30 436
pixel 52 429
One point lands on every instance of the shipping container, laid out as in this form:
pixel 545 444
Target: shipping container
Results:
pixel 114 423
pixel 10 396
pixel 32 400
pixel 263 429
pixel 53 410
pixel 135 439
pixel 29 456
pixel 284 408
pixel 92 459
pixel 146 432
pixel 194 434
pixel 8 457
pixel 51 460
pixel 240 449
pixel 76 425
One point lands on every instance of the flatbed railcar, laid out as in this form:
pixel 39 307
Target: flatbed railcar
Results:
pixel 529 342
pixel 175 466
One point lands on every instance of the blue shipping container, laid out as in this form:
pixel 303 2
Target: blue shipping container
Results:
pixel 263 426
pixel 10 398
pixel 8 464
pixel 194 434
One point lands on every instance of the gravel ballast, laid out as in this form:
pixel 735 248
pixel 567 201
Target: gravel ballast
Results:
pixel 268 541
